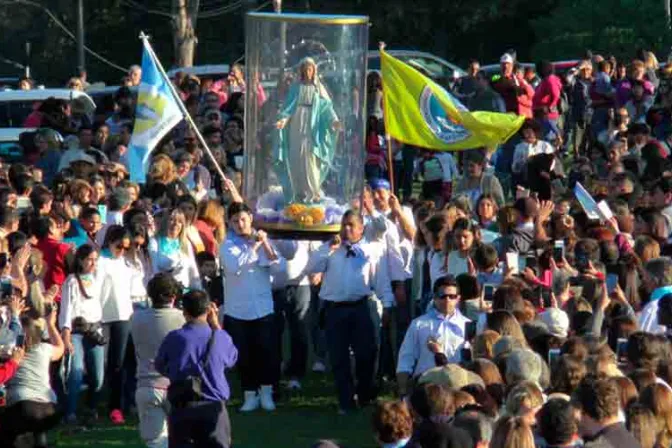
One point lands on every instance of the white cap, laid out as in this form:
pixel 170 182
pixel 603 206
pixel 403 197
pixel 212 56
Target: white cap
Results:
pixel 506 59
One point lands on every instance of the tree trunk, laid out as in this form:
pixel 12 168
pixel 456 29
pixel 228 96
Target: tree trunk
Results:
pixel 184 31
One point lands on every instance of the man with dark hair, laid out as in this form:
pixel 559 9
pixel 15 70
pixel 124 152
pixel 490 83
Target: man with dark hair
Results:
pixel 661 198
pixel 352 271
pixel 644 350
pixel 441 331
pixel 9 221
pixel 600 403
pixel 148 328
pixel 84 229
pixel 557 424
pixel 198 352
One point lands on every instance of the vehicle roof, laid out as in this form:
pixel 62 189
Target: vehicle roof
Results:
pixel 558 65
pixel 422 54
pixel 12 134
pixel 201 70
pixel 83 100
pixel 96 90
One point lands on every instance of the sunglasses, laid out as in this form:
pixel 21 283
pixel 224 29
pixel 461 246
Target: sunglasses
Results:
pixel 447 296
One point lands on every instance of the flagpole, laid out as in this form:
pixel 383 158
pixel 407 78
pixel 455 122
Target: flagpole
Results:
pixel 180 104
pixel 388 138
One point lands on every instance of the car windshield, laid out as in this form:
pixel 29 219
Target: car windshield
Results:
pixel 14 113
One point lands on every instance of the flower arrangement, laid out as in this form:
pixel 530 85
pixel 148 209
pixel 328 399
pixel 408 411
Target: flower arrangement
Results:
pixel 304 215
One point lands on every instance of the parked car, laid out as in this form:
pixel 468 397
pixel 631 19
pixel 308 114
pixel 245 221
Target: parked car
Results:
pixel 560 67
pixel 434 66
pixel 16 105
pixel 10 149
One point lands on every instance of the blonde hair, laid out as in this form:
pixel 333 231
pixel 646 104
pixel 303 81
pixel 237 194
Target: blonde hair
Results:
pixel 212 213
pixel 658 399
pixel 512 432
pixel 162 170
pixel 524 396
pixel 164 225
pixel 484 343
pixel 77 186
pixel 651 61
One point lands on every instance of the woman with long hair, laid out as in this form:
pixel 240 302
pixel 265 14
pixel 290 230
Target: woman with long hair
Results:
pixel 466 236
pixel 30 401
pixel 117 310
pixel 80 319
pixel 170 250
pixel 512 432
pixel 210 225
pixel 658 399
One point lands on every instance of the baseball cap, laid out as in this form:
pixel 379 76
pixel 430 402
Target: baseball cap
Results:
pixel 556 321
pixel 506 59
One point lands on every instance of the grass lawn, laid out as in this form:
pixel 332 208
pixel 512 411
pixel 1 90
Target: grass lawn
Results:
pixel 301 419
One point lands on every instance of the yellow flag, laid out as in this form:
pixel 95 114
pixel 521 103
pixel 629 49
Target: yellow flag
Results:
pixel 420 112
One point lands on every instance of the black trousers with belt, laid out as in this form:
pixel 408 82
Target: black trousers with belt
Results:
pixel 203 424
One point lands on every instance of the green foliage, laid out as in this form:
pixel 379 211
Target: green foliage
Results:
pixel 617 27
pixel 455 29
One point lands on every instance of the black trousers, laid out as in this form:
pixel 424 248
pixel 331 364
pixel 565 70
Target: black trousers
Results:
pixel 258 356
pixel 28 417
pixel 204 425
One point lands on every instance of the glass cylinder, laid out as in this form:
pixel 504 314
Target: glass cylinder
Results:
pixel 304 120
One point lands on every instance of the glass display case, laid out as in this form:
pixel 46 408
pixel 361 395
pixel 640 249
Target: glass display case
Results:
pixel 304 120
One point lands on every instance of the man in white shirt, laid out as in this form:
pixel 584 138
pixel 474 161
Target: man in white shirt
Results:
pixel 248 261
pixel 397 227
pixel 352 270
pixel 292 295
pixel 440 330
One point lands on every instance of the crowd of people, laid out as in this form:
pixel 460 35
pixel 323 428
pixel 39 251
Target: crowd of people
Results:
pixel 497 310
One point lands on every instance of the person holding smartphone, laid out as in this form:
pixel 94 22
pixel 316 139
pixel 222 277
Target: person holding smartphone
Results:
pixel 441 330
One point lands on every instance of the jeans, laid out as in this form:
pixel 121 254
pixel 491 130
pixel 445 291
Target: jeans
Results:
pixel 403 172
pixel 118 334
pixel 153 410
pixel 294 304
pixel 203 425
pixel 257 350
pixel 93 357
pixel 351 326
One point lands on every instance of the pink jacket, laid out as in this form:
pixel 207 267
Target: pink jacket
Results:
pixel 547 95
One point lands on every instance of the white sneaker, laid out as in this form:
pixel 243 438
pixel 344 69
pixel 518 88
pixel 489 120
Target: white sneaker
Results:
pixel 266 395
pixel 294 385
pixel 251 401
pixel 319 367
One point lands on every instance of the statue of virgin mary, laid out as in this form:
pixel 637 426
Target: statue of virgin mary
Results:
pixel 308 127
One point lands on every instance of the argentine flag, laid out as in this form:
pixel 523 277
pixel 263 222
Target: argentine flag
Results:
pixel 156 113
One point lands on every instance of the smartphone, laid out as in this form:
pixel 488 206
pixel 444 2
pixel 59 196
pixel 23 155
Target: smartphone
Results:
pixel 6 289
pixel 553 357
pixel 545 297
pixel 488 292
pixel 465 354
pixel 559 250
pixel 531 262
pixel 3 260
pixel 622 349
pixel 512 262
pixel 470 330
pixel 20 340
pixel 581 261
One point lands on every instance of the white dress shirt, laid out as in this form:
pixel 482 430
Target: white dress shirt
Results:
pixel 297 254
pixel 525 150
pixel 348 279
pixel 75 304
pixel 414 356
pixel 247 289
pixel 393 234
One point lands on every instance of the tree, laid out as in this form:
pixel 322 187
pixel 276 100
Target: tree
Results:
pixel 184 31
